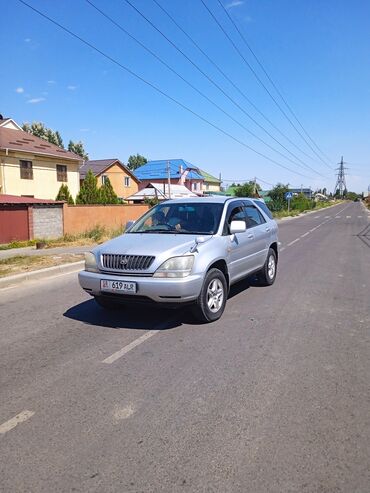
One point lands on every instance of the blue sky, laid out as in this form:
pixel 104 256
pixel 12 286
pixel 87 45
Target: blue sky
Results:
pixel 317 52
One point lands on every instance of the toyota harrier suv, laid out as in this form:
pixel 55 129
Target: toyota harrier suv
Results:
pixel 185 251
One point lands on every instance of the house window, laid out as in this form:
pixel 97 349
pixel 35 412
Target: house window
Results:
pixel 26 170
pixel 61 172
pixel 104 179
pixel 127 181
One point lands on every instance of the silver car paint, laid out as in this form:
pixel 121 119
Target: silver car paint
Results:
pixel 243 254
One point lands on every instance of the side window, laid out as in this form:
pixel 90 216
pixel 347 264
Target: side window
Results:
pixel 254 217
pixel 235 213
pixel 265 209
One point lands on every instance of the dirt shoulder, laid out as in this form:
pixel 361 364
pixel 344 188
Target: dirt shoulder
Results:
pixel 26 263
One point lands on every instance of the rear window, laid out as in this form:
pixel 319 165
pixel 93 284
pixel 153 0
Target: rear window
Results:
pixel 264 207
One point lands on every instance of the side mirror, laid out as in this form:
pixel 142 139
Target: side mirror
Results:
pixel 237 227
pixel 128 225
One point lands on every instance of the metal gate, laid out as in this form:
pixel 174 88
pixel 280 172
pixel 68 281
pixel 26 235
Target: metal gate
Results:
pixel 13 224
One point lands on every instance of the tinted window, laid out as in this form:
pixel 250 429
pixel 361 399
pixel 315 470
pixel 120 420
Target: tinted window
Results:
pixel 265 209
pixel 254 216
pixel 235 213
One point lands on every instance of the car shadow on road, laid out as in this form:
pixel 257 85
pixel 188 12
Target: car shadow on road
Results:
pixel 243 285
pixel 134 317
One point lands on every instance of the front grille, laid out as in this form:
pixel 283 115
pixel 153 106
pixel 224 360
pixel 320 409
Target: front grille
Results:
pixel 125 263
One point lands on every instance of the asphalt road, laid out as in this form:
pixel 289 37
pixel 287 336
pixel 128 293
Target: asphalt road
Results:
pixel 274 397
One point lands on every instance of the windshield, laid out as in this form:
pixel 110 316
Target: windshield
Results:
pixel 189 218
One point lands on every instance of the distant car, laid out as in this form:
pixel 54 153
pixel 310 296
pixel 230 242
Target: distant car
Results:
pixel 186 251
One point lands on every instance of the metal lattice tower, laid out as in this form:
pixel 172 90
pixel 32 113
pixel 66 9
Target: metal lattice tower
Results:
pixel 341 179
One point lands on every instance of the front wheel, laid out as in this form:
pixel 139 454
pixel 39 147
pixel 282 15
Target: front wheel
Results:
pixel 267 274
pixel 212 299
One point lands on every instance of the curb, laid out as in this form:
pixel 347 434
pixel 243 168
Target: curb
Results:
pixel 41 273
pixel 289 218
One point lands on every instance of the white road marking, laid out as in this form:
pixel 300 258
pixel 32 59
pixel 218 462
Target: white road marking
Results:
pixel 359 216
pixel 327 217
pixel 115 356
pixel 348 217
pixel 302 236
pixel 317 217
pixel 13 422
pixel 338 217
pixel 292 242
pixel 282 249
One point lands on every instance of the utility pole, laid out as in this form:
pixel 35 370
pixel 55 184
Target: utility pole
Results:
pixel 341 179
pixel 169 179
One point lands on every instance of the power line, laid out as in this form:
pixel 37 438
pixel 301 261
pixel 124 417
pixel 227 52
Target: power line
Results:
pixel 218 87
pixel 157 89
pixel 240 92
pixel 270 79
pixel 261 82
pixel 119 26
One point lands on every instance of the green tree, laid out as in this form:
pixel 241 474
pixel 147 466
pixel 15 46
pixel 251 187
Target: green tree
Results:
pixel 248 189
pixel 40 130
pixel 135 162
pixel 78 148
pixel 65 194
pixel 277 197
pixel 89 192
pixel 106 193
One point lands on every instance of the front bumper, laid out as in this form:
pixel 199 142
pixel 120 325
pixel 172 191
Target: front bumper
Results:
pixel 159 290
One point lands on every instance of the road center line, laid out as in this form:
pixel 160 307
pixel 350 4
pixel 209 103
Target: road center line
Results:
pixel 13 422
pixel 114 357
pixel 292 242
pixel 302 236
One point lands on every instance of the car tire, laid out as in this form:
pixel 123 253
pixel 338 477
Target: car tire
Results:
pixel 106 303
pixel 267 275
pixel 211 302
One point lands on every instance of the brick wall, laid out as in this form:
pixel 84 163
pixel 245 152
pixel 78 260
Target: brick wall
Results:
pixel 47 222
pixel 82 218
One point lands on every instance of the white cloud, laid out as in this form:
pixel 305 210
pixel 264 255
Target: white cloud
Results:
pixel 84 130
pixel 27 40
pixel 36 100
pixel 51 82
pixel 71 88
pixel 234 3
pixel 19 90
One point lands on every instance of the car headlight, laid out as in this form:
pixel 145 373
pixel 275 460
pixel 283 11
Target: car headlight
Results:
pixel 176 267
pixel 90 262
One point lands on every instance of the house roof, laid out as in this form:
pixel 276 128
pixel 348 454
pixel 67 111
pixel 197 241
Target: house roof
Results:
pixel 15 199
pixel 19 140
pixel 160 191
pixel 98 166
pixel 209 178
pixel 157 170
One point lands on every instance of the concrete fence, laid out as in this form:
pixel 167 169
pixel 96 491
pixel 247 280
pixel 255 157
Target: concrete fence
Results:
pixel 81 218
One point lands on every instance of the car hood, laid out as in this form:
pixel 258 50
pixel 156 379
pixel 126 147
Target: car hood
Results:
pixel 162 246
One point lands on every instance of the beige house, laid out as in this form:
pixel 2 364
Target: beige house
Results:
pixel 32 167
pixel 124 182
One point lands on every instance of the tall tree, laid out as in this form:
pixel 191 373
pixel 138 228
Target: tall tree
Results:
pixel 65 194
pixel 89 192
pixel 40 130
pixel 106 193
pixel 248 189
pixel 135 162
pixel 78 148
pixel 277 196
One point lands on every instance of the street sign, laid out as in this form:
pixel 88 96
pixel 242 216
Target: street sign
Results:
pixel 288 195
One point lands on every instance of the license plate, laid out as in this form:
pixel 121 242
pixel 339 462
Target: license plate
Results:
pixel 118 286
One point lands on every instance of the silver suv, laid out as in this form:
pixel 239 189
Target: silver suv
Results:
pixel 187 251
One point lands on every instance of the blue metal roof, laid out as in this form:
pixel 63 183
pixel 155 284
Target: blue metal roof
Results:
pixel 157 170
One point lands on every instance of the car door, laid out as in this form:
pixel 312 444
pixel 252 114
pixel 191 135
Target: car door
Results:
pixel 261 232
pixel 240 245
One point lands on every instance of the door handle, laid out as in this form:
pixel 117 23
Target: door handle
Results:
pixel 267 229
pixel 250 235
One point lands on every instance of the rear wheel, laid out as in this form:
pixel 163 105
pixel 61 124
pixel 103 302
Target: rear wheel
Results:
pixel 106 303
pixel 267 274
pixel 212 299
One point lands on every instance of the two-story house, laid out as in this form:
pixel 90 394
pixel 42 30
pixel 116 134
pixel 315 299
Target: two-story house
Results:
pixel 33 167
